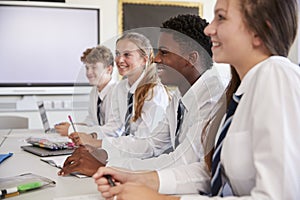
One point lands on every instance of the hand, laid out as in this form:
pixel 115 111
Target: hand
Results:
pixel 135 191
pixel 82 161
pixel 85 139
pixel 62 128
pixel 118 175
pixel 121 176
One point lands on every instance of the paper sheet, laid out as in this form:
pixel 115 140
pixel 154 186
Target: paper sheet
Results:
pixel 58 161
pixel 82 197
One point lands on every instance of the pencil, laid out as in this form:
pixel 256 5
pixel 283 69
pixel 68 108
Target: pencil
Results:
pixel 70 118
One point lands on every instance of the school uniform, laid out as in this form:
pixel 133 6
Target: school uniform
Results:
pixel 198 102
pixel 91 119
pixel 259 156
pixel 115 125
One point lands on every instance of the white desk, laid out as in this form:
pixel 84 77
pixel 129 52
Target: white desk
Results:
pixel 24 162
pixel 3 132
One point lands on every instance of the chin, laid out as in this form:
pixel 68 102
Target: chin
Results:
pixel 122 72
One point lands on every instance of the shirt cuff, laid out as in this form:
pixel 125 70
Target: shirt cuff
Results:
pixel 167 181
pixel 109 148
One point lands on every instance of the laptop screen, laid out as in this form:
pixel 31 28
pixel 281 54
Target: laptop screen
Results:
pixel 43 114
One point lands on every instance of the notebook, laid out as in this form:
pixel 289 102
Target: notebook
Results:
pixel 42 152
pixel 44 118
pixel 58 161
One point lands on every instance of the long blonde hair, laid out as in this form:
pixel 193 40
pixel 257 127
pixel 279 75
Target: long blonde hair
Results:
pixel 144 91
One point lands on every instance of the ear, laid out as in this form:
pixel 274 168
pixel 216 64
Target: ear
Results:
pixel 109 69
pixel 193 57
pixel 256 41
pixel 147 60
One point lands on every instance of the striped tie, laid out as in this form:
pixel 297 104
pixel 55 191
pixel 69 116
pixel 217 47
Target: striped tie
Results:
pixel 128 113
pixel 99 111
pixel 180 115
pixel 216 181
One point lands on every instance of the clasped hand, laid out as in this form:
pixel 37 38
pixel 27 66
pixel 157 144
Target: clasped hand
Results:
pixel 85 160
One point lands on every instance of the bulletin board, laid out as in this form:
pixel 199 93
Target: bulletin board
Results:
pixel 143 13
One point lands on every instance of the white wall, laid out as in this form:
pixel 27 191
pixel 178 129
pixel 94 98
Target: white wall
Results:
pixel 109 9
pixel 109 30
pixel 109 18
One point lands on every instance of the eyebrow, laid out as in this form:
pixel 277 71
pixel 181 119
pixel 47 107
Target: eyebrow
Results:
pixel 219 10
pixel 126 51
pixel 163 48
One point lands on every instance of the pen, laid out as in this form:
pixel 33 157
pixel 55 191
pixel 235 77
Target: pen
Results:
pixel 110 181
pixel 70 118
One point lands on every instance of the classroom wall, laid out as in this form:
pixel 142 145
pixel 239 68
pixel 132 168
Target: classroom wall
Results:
pixel 109 19
pixel 109 10
pixel 109 30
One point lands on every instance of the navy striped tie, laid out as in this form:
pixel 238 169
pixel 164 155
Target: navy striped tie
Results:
pixel 99 111
pixel 216 181
pixel 128 113
pixel 180 115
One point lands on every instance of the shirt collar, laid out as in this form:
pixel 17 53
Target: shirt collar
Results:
pixel 135 84
pixel 102 94
pixel 249 78
pixel 192 97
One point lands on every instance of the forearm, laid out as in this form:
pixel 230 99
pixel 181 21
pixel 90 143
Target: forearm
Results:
pixel 150 179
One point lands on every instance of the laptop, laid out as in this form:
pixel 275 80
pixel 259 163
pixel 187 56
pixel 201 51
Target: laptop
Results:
pixel 43 152
pixel 44 118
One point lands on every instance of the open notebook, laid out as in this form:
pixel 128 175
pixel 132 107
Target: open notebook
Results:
pixel 58 161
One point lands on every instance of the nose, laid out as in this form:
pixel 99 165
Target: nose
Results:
pixel 157 58
pixel 119 59
pixel 209 30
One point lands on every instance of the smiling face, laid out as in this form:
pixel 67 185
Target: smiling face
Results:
pixel 97 73
pixel 232 41
pixel 128 58
pixel 170 60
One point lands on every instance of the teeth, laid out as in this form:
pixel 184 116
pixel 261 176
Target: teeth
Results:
pixel 122 67
pixel 215 44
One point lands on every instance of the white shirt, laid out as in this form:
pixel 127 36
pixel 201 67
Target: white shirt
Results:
pixel 260 153
pixel 153 112
pixel 91 119
pixel 198 102
pixel 145 123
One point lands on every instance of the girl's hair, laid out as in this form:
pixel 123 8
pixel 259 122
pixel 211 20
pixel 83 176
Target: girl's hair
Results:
pixel 274 21
pixel 98 54
pixel 143 43
pixel 144 89
pixel 209 132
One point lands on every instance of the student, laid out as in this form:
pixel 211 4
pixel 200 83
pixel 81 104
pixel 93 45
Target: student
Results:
pixel 259 156
pixel 184 62
pixel 133 55
pixel 99 63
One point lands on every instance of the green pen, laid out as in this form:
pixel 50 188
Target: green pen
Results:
pixel 29 186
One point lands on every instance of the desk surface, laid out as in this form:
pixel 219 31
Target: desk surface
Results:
pixel 23 162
